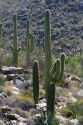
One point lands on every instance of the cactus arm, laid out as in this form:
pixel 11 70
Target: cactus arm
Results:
pixel 53 69
pixel 62 58
pixel 58 71
pixel 36 81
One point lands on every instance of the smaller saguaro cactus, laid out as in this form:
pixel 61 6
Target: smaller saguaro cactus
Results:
pixel 52 98
pixel 29 43
pixel 15 44
pixel 0 34
pixel 62 58
pixel 36 81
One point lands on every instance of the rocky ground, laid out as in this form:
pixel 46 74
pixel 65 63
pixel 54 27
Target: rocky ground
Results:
pixel 13 111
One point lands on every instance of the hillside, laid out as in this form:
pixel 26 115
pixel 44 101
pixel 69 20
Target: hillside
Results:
pixel 66 16
pixel 41 67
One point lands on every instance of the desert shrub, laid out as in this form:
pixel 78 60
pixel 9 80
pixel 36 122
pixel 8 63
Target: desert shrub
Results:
pixel 22 59
pixel 73 109
pixel 42 120
pixel 1 89
pixel 26 99
pixel 7 89
pixel 7 59
pixel 74 65
pixel 2 79
pixel 64 40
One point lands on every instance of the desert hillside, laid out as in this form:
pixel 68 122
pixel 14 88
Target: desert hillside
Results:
pixel 41 62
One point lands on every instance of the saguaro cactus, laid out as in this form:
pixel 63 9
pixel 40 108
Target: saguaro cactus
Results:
pixel 53 73
pixel 29 43
pixel 0 34
pixel 62 58
pixel 52 98
pixel 15 46
pixel 48 57
pixel 36 81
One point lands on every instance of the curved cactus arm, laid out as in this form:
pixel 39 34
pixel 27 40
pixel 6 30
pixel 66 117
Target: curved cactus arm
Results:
pixel 36 81
pixel 62 58
pixel 56 76
pixel 53 69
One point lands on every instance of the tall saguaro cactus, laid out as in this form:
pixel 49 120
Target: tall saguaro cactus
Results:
pixel 29 43
pixel 53 73
pixel 48 57
pixel 0 34
pixel 36 81
pixel 15 46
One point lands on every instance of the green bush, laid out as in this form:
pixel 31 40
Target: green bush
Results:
pixel 74 65
pixel 76 109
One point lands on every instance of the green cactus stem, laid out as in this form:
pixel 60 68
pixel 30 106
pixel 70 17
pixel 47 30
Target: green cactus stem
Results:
pixel 53 73
pixel 36 81
pixel 29 44
pixel 52 98
pixel 62 58
pixel 48 57
pixel 0 34
pixel 15 46
pixel 58 71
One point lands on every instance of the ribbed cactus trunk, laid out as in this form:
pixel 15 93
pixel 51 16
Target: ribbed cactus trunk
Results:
pixel 52 98
pixel 0 34
pixel 15 46
pixel 27 44
pixel 48 57
pixel 36 82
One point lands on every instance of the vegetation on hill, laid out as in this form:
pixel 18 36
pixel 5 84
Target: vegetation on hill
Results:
pixel 41 65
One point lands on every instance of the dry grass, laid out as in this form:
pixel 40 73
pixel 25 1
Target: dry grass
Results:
pixel 27 96
pixel 2 79
pixel 7 88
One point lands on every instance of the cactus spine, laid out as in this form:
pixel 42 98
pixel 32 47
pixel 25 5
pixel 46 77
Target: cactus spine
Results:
pixel 48 57
pixel 15 46
pixel 36 81
pixel 29 43
pixel 0 34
